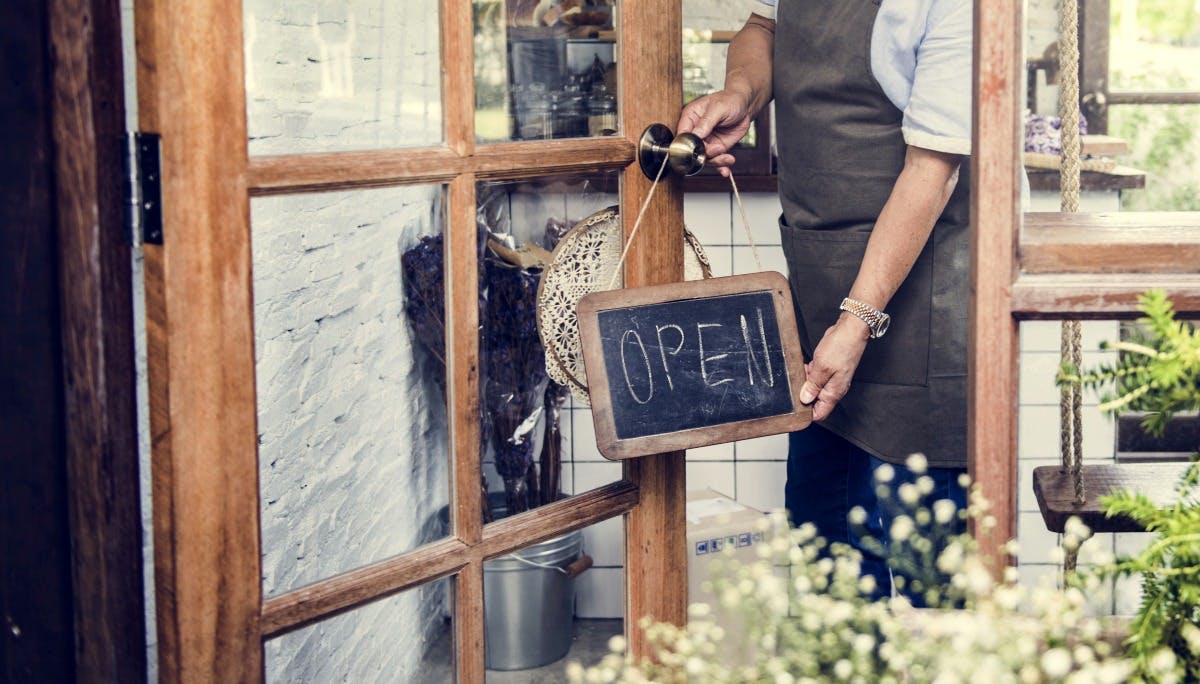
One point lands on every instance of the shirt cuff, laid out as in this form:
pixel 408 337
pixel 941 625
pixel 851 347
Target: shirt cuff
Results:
pixel 937 143
pixel 765 10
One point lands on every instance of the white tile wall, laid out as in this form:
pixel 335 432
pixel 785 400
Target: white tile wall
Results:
pixel 760 484
pixel 600 593
pixel 718 476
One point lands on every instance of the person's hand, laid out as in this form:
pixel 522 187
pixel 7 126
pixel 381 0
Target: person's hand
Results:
pixel 720 119
pixel 832 367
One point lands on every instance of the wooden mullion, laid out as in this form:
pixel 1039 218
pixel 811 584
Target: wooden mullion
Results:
pixel 463 409
pixel 458 74
pixel 558 518
pixel 293 173
pixel 650 92
pixel 296 609
pixel 995 229
pixel 296 173
pixel 468 624
pixel 545 158
pixel 462 358
pixel 1098 296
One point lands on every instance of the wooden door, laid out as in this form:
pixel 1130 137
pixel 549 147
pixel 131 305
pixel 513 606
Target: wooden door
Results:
pixel 239 172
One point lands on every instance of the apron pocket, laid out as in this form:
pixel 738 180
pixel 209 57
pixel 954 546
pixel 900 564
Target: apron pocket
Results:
pixel 822 266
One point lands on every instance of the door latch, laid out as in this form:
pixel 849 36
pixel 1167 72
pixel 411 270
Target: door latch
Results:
pixel 143 188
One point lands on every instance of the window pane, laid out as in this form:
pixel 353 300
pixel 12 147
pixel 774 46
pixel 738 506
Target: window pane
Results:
pixel 545 74
pixel 1164 141
pixel 536 446
pixel 405 638
pixel 324 76
pixel 351 400
pixel 540 616
pixel 1155 45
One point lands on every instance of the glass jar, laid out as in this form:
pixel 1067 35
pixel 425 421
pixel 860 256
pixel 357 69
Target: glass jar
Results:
pixel 602 113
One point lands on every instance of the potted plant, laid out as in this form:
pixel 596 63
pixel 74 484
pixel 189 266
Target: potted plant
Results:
pixel 1158 374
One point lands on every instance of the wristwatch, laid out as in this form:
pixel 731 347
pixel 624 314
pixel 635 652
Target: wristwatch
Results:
pixel 876 320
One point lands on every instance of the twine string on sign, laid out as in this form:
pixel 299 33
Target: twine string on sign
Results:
pixel 745 221
pixel 637 224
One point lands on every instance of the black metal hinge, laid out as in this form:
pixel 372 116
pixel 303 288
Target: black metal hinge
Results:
pixel 143 189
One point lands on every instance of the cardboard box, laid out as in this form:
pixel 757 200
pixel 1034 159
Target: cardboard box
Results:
pixel 714 522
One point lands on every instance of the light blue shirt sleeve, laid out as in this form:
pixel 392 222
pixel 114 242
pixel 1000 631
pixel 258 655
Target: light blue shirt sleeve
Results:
pixel 921 53
pixel 925 68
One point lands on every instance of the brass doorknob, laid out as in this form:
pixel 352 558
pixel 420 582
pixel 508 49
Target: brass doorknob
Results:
pixel 684 153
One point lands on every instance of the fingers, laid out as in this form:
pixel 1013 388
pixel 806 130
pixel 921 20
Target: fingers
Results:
pixel 823 388
pixel 816 377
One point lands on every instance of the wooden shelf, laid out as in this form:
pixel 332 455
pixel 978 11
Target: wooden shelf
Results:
pixel 1120 178
pixel 1123 242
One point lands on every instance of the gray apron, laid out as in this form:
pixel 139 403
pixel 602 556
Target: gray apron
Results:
pixel 840 152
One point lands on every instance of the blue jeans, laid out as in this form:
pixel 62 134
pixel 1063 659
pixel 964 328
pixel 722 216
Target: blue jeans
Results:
pixel 828 476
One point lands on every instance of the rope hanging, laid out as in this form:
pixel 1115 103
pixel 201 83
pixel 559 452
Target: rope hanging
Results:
pixel 1070 413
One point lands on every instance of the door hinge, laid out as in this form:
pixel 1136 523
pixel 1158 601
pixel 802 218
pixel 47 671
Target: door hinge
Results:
pixel 143 189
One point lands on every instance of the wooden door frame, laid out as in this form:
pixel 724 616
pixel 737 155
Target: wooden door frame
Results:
pixel 212 616
pixel 72 589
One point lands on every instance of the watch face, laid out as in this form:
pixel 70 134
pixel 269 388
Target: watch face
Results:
pixel 882 325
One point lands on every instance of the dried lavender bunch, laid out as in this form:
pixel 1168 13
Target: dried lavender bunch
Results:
pixel 422 270
pixel 516 374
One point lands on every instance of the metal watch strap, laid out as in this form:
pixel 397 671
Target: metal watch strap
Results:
pixel 867 313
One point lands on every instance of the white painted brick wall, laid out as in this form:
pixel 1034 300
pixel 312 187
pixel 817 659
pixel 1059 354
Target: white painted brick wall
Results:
pixel 352 431
pixel 347 75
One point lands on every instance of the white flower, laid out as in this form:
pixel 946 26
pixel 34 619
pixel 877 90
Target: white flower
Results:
pixel 909 494
pixel 902 528
pixel 885 473
pixel 917 463
pixel 1163 661
pixel 574 671
pixel 617 644
pixel 863 644
pixel 1056 663
pixel 857 516
pixel 964 481
pixel 842 669
pixel 944 511
pixel 925 484
pixel 699 610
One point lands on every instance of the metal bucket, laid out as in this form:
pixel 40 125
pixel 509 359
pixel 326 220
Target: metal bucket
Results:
pixel 529 604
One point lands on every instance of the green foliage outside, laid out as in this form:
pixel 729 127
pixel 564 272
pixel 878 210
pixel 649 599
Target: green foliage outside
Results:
pixel 1155 45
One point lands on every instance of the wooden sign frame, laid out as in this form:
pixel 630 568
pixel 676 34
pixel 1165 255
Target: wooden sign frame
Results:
pixel 614 448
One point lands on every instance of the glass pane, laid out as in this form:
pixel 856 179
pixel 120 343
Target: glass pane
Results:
pixel 543 610
pixel 404 638
pixel 351 400
pixel 545 73
pixel 531 453
pixel 1154 45
pixel 1164 141
pixel 324 76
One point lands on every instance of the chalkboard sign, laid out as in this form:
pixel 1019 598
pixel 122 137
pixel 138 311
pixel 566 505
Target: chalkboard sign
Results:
pixel 685 365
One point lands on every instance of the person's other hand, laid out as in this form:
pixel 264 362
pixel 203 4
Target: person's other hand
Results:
pixel 720 119
pixel 832 367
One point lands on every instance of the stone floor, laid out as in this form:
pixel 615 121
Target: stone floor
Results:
pixel 589 646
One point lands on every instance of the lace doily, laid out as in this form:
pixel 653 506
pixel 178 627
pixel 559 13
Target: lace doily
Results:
pixel 584 262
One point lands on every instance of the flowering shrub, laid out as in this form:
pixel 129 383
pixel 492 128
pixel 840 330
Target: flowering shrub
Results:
pixel 808 617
